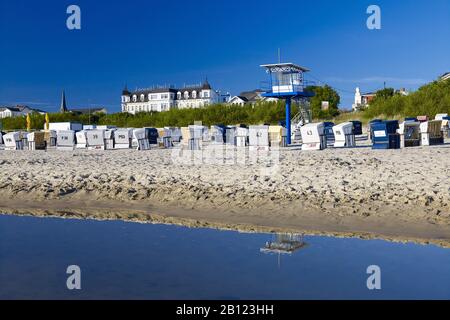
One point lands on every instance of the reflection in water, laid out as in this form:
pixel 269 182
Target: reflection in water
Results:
pixel 283 243
pixel 121 260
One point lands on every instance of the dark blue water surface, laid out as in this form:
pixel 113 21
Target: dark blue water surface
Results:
pixel 121 260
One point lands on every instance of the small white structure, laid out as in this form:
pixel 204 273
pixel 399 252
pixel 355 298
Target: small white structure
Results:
pixel 430 132
pixel 185 135
pixel 343 135
pixel 258 136
pixel 164 138
pixel 313 137
pixel 13 141
pixel 409 134
pixel 174 133
pixel 277 136
pixel 105 127
pixel 199 132
pixel 7 112
pixel 24 138
pixel 217 134
pixel 440 116
pixel 230 135
pixel 289 77
pixel 95 139
pixel 140 141
pixel 57 126
pixel 241 136
pixel 81 139
pixel 65 140
pixel 123 138
pixel 445 123
pixel 36 140
pixel 50 139
pixel 109 139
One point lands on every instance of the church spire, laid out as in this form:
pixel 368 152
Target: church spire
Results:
pixel 63 107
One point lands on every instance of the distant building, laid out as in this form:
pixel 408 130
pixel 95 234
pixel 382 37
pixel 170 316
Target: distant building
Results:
pixel 402 92
pixel 166 98
pixel 9 112
pixel 63 108
pixel 17 111
pixel 250 97
pixel 25 110
pixel 445 76
pixel 362 100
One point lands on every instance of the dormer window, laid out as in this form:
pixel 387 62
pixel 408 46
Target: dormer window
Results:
pixel 178 95
pixel 142 97
pixel 186 95
pixel 194 94
pixel 134 98
pixel 206 94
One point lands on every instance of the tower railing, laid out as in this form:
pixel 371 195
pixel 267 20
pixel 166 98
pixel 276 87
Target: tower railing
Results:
pixel 268 86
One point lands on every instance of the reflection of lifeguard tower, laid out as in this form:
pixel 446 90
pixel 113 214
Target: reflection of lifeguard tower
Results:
pixel 287 82
pixel 283 243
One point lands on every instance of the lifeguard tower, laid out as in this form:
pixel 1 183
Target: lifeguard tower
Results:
pixel 286 81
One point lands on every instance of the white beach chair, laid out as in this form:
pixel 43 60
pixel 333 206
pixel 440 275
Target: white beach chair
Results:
pixel 313 137
pixel 109 139
pixel 65 140
pixel 430 132
pixel 409 134
pixel 95 139
pixel 258 137
pixel 343 135
pixel 140 141
pixel 123 138
pixel 36 140
pixel 81 139
pixel 13 141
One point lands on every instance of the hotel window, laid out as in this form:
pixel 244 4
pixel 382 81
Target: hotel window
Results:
pixel 194 94
pixel 172 96
pixel 206 94
pixel 134 98
pixel 164 106
pixel 178 95
pixel 186 95
pixel 142 97
pixel 164 96
pixel 154 97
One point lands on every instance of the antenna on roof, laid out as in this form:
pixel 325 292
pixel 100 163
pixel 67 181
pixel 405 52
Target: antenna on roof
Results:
pixel 279 55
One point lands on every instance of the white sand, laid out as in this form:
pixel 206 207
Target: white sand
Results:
pixel 391 192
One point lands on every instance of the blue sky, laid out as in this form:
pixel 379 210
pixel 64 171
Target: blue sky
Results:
pixel 143 43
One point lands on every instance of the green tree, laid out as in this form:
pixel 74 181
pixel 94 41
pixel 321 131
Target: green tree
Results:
pixel 324 93
pixel 429 99
pixel 385 93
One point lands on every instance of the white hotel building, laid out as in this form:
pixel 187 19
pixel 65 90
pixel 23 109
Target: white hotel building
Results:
pixel 164 99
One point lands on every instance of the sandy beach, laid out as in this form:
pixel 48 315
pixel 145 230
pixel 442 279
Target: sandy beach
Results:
pixel 395 194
